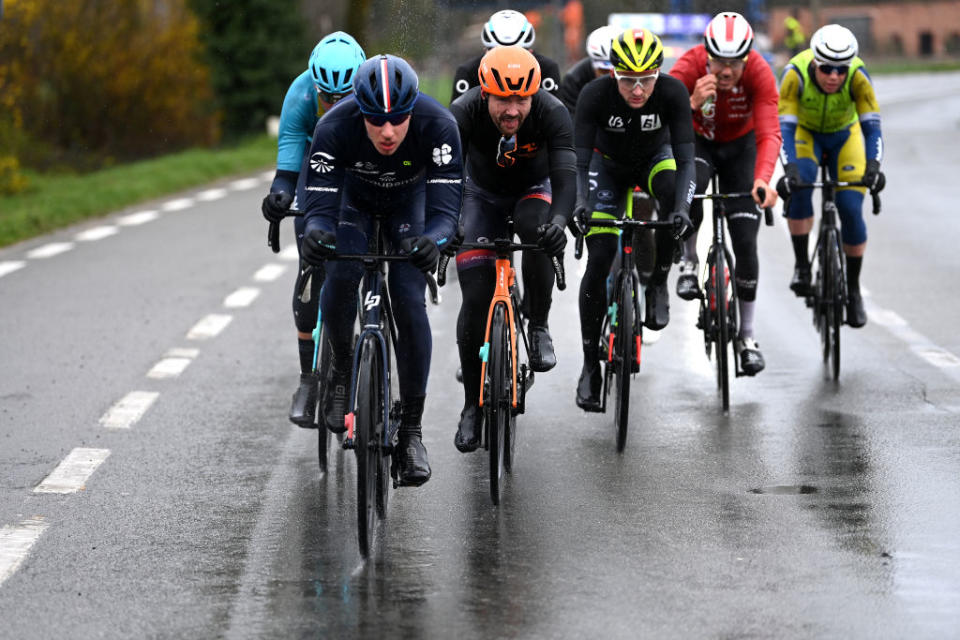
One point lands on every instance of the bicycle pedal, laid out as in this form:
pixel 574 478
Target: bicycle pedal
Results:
pixel 349 443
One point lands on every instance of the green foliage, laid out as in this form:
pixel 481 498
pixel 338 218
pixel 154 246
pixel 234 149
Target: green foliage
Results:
pixel 255 49
pixel 56 200
pixel 87 82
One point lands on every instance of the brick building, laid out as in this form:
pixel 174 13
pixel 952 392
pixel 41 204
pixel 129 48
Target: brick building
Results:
pixel 909 28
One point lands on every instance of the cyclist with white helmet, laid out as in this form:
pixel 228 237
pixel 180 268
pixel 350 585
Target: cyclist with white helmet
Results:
pixel 733 96
pixel 388 149
pixel 828 108
pixel 595 65
pixel 329 77
pixel 504 29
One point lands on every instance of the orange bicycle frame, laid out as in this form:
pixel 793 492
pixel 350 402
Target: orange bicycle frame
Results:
pixel 506 275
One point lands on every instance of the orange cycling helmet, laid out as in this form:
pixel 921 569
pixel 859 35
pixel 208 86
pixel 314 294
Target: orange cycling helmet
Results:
pixel 509 71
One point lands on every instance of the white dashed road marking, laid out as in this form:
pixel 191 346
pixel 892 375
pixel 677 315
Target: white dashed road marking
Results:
pixel 138 218
pixel 242 297
pixel 125 413
pixel 97 233
pixel 72 473
pixel 50 250
pixel 178 205
pixel 290 253
pixel 211 194
pixel 9 266
pixel 269 273
pixel 15 543
pixel 244 184
pixel 209 326
pixel 173 364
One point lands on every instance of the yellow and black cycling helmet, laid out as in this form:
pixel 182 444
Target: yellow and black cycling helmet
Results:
pixel 636 50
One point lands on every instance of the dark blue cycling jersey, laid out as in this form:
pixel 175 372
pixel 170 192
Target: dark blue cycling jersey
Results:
pixel 343 159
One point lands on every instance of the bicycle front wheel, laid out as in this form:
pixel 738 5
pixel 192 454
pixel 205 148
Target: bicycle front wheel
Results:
pixel 722 321
pixel 836 298
pixel 623 344
pixel 368 426
pixel 499 398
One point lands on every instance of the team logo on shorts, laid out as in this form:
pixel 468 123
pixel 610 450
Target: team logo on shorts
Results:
pixel 441 155
pixel 649 122
pixel 320 161
pixel 605 194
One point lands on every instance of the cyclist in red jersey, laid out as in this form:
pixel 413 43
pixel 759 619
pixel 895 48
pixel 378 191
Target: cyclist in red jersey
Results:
pixel 733 96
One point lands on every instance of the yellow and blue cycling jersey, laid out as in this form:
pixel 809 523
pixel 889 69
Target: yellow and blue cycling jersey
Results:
pixel 842 128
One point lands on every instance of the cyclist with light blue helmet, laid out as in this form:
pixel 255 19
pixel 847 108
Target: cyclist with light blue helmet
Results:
pixel 328 78
pixel 388 149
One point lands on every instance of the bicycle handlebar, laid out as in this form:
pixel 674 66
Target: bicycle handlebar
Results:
pixel 767 211
pixel 504 247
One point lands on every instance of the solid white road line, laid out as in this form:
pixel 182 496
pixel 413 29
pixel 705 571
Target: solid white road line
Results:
pixel 245 184
pixel 178 205
pixel 9 266
pixel 97 233
pixel 72 473
pixel 242 297
pixel 128 410
pixel 15 543
pixel 138 218
pixel 50 250
pixel 209 326
pixel 922 346
pixel 268 273
pixel 211 194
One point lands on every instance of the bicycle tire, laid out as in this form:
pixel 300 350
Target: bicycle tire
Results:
pixel 368 422
pixel 722 318
pixel 624 354
pixel 822 301
pixel 836 309
pixel 498 400
pixel 510 437
pixel 323 434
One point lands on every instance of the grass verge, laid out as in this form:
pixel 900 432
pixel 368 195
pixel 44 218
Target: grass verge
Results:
pixel 56 200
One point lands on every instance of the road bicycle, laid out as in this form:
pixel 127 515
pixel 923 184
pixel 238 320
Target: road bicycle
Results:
pixel 828 293
pixel 622 331
pixel 505 375
pixel 719 302
pixel 372 419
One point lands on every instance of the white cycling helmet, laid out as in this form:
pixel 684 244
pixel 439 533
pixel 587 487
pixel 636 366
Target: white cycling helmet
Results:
pixel 728 35
pixel 598 46
pixel 833 44
pixel 506 28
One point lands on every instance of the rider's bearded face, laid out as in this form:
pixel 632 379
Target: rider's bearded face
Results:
pixel 508 113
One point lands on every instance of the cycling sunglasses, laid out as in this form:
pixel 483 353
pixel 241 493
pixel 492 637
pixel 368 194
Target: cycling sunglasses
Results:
pixel 332 98
pixel 733 63
pixel 380 119
pixel 508 147
pixel 630 82
pixel 827 69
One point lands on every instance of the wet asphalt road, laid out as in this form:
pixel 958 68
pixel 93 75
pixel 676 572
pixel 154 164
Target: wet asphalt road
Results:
pixel 813 509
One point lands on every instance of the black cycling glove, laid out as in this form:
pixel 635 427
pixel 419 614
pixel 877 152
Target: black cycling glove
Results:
pixel 685 229
pixel 423 252
pixel 788 182
pixel 453 245
pixel 317 246
pixel 276 205
pixel 552 238
pixel 873 178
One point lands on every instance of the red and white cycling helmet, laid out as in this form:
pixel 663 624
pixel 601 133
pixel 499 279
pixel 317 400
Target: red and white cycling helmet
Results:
pixel 728 35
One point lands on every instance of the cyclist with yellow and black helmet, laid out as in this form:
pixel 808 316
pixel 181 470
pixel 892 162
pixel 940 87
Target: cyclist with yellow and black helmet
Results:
pixel 631 128
pixel 828 108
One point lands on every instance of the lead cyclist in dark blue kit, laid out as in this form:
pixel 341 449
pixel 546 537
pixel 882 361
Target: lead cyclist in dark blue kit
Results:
pixel 328 78
pixel 389 149
pixel 632 128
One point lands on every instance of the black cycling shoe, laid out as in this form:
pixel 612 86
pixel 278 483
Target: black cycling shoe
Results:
pixel 800 283
pixel 589 387
pixel 658 306
pixel 303 409
pixel 687 286
pixel 335 399
pixel 414 466
pixel 856 314
pixel 469 429
pixel 542 357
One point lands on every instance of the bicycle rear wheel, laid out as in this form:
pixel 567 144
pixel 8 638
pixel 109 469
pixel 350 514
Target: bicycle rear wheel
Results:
pixel 498 401
pixel 623 345
pixel 369 423
pixel 721 319
pixel 323 434
pixel 835 297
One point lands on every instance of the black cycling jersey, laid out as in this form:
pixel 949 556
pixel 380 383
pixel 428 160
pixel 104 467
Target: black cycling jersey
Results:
pixel 544 149
pixel 630 137
pixel 342 158
pixel 467 76
pixel 573 83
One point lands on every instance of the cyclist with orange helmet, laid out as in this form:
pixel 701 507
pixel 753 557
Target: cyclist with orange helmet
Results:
pixel 632 128
pixel 518 150
pixel 733 96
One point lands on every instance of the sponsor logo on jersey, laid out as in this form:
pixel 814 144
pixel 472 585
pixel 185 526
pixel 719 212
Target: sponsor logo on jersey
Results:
pixel 649 121
pixel 615 122
pixel 442 155
pixel 549 84
pixel 605 194
pixel 321 162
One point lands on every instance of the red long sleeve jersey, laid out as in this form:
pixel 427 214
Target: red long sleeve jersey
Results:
pixel 750 105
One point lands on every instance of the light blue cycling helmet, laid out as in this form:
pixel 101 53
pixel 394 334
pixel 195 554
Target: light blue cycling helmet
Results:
pixel 386 84
pixel 334 62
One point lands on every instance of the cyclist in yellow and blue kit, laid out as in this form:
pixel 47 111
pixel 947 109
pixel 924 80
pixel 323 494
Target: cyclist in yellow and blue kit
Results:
pixel 828 108
pixel 328 78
